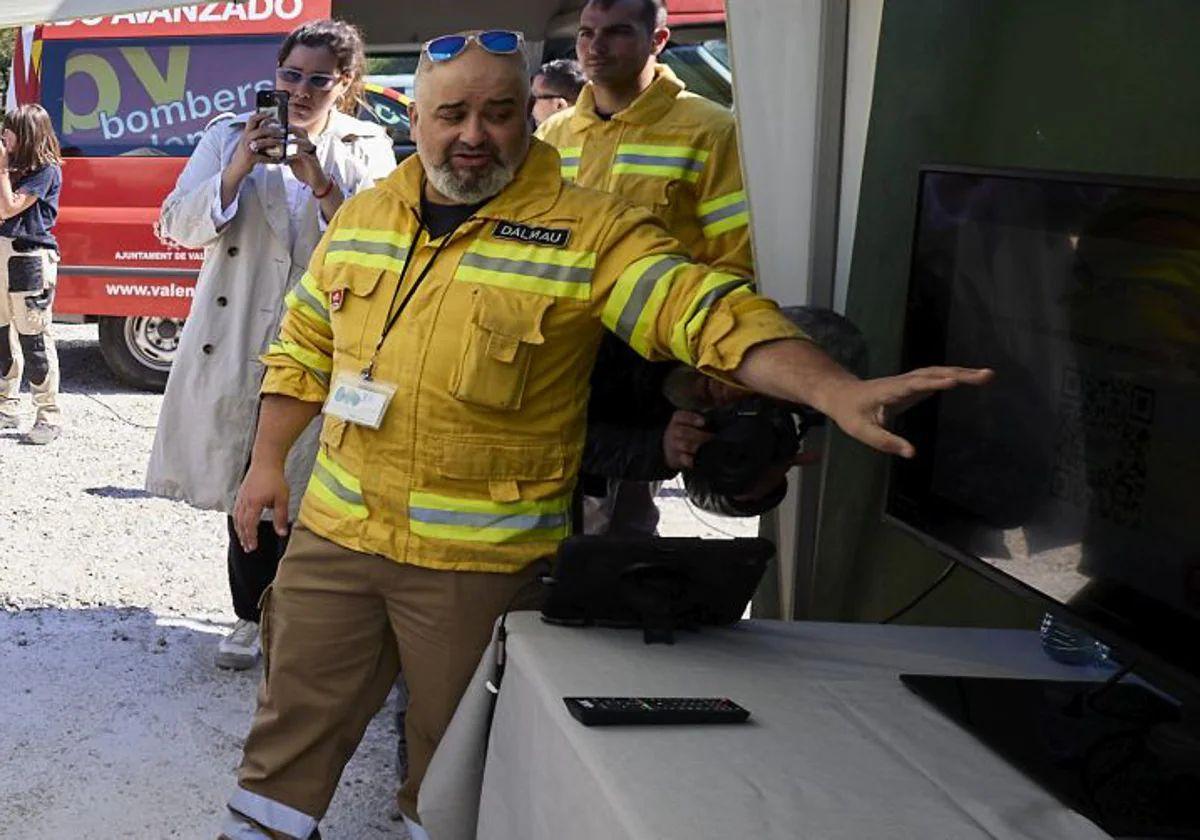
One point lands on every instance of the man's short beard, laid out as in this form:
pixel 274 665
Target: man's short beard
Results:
pixel 473 189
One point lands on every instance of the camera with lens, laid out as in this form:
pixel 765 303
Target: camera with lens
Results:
pixel 750 437
pixel 755 434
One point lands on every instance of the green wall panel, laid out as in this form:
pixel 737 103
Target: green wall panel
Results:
pixel 1107 86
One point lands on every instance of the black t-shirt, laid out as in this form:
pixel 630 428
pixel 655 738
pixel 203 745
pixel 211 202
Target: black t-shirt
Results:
pixel 31 228
pixel 441 219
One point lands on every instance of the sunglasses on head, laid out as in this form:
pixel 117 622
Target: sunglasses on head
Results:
pixel 319 81
pixel 495 41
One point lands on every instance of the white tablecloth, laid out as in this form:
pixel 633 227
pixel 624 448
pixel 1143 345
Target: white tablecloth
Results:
pixel 836 746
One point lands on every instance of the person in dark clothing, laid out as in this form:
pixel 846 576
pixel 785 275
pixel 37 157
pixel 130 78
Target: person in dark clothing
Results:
pixel 638 435
pixel 30 182
pixel 637 439
pixel 623 457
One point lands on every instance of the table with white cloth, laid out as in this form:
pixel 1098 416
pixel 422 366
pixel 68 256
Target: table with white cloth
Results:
pixel 836 746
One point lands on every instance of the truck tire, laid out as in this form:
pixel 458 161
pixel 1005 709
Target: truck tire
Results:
pixel 139 349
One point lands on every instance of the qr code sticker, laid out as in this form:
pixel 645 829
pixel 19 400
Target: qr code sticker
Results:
pixel 1101 446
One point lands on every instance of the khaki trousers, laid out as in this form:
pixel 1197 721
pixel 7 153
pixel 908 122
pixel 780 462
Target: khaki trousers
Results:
pixel 28 314
pixel 336 626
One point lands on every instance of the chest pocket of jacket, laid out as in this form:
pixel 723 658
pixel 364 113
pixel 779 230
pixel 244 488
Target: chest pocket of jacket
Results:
pixel 498 347
pixel 666 198
pixel 648 191
pixel 349 309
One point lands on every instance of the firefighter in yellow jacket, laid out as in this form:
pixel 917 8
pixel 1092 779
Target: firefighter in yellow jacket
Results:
pixel 635 132
pixel 447 325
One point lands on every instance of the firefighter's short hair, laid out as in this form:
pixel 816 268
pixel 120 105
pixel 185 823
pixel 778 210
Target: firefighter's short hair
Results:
pixel 653 14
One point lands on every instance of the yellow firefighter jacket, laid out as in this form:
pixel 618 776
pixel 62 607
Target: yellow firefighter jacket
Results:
pixel 673 153
pixel 473 466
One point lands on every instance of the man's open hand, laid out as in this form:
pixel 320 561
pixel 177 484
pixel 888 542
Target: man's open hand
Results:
pixel 863 408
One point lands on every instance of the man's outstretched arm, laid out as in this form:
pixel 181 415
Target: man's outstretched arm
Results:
pixel 799 371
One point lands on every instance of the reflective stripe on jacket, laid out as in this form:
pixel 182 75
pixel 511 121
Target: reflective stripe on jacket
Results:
pixel 673 153
pixel 473 466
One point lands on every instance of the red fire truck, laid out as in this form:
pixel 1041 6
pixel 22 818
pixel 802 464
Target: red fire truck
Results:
pixel 129 95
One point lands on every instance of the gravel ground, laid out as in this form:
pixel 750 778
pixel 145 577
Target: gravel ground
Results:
pixel 88 535
pixel 115 722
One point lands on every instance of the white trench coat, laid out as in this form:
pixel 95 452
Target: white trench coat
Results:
pixel 208 418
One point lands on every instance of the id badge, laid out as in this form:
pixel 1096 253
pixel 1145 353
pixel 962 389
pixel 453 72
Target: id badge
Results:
pixel 359 401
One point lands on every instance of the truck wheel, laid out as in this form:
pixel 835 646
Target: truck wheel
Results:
pixel 139 349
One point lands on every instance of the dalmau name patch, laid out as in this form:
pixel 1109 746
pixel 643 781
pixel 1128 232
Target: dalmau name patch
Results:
pixel 555 237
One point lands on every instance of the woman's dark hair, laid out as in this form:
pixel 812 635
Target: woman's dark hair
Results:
pixel 36 145
pixel 345 42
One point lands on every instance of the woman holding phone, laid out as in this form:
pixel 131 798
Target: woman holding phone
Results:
pixel 258 211
pixel 30 181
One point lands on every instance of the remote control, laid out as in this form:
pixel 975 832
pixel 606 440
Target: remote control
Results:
pixel 617 711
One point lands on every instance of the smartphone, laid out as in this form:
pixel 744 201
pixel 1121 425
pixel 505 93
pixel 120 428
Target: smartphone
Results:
pixel 274 103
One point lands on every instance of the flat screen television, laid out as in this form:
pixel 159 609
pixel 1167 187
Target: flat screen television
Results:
pixel 1075 477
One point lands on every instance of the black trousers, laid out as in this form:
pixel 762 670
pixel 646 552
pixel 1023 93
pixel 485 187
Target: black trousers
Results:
pixel 251 572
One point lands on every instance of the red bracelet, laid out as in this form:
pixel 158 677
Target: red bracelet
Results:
pixel 328 189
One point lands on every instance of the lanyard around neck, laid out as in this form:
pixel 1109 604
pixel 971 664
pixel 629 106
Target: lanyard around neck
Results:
pixel 395 311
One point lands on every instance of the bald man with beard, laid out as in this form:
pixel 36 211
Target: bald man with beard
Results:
pixel 446 329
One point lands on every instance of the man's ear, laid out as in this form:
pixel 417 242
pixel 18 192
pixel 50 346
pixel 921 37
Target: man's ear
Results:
pixel 658 41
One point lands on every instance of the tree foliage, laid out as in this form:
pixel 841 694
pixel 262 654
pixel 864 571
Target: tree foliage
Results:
pixel 8 40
